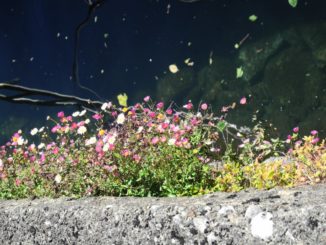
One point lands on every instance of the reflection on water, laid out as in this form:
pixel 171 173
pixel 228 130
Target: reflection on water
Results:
pixel 205 50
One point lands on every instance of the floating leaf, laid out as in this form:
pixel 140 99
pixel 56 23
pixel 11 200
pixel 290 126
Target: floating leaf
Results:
pixel 253 18
pixel 122 99
pixel 188 62
pixel 239 72
pixel 293 3
pixel 173 68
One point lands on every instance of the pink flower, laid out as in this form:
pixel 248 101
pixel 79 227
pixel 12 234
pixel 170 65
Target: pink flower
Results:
pixel 152 114
pixel 97 116
pixel 314 132
pixel 204 106
pixel 18 182
pixel 194 121
pixel 243 101
pixel 296 129
pixel 314 141
pixel 163 139
pixel 160 105
pixel 169 111
pixel 55 128
pixel 42 159
pixel 288 139
pixel 188 106
pixel 147 98
pixel 155 140
pixel 73 126
pixel 61 114
pixel 55 150
pixel 136 158
pixel 125 153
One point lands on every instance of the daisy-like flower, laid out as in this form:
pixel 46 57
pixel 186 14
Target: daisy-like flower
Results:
pixel 81 130
pixel 171 141
pixel 82 113
pixel 160 105
pixel 243 101
pixel 76 114
pixel 204 106
pixel 40 146
pixel 188 106
pixel 106 105
pixel 97 116
pixel 61 114
pixel 147 98
pixel 58 178
pixel 121 118
pixel 34 131
pixel 90 141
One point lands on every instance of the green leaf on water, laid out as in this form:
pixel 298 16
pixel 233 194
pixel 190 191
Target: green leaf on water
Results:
pixel 253 18
pixel 293 3
pixel 239 72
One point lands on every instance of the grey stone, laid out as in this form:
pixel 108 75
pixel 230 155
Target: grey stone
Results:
pixel 278 216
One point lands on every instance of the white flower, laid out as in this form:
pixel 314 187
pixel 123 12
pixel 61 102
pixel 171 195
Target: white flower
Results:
pixel 40 146
pixel 106 147
pixel 81 130
pixel 76 114
pixel 34 131
pixel 41 130
pixel 91 141
pixel 20 141
pixel 111 140
pixel 171 141
pixel 106 106
pixel 121 118
pixel 58 178
pixel 87 121
pixel 140 129
pixel 82 113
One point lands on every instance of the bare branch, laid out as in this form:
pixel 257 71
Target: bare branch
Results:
pixel 93 5
pixel 54 98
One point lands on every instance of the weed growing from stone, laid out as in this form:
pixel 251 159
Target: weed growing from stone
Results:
pixel 150 149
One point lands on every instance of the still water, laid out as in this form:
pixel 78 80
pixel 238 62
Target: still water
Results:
pixel 206 50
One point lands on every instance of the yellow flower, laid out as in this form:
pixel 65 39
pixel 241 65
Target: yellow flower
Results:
pixel 124 109
pixel 101 132
pixel 160 116
pixel 195 151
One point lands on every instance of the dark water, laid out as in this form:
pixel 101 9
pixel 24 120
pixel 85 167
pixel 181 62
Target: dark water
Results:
pixel 129 44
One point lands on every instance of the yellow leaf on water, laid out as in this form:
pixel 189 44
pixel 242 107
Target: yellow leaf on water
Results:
pixel 173 68
pixel 122 99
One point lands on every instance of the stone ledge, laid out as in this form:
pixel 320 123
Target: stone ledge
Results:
pixel 278 216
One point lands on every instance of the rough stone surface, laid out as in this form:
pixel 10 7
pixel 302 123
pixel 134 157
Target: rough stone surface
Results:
pixel 278 216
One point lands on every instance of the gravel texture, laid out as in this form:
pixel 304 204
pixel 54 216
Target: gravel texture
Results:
pixel 279 216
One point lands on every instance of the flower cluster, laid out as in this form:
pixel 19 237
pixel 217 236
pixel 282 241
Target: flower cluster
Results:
pixel 148 149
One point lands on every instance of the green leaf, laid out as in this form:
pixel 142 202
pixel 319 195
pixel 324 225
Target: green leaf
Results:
pixel 221 125
pixel 293 3
pixel 239 72
pixel 253 18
